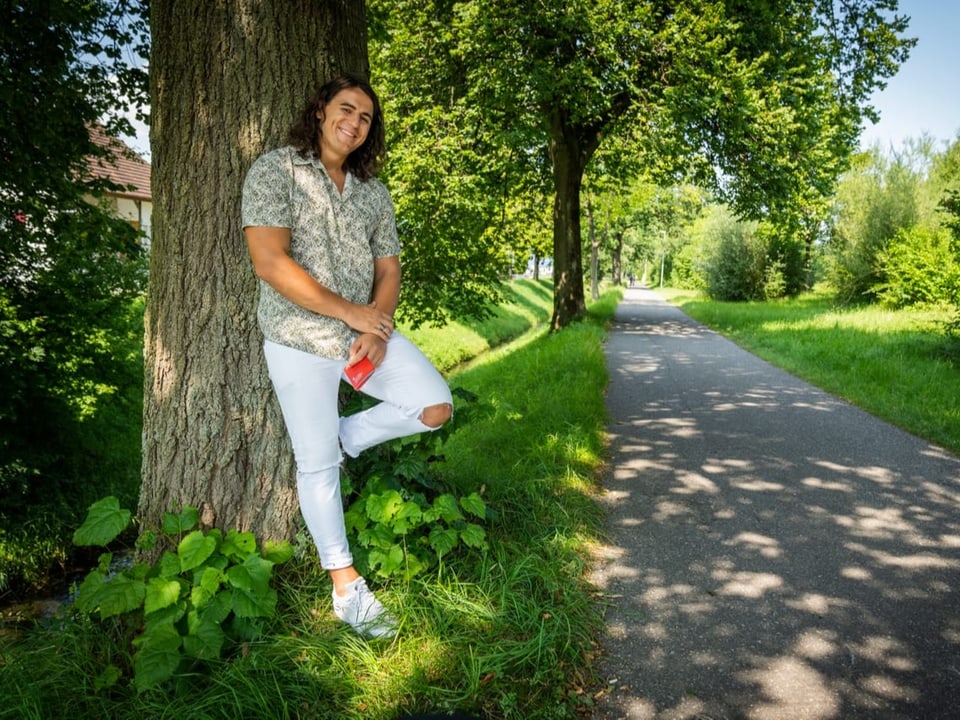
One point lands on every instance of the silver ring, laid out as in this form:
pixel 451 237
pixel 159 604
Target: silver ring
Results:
pixel 383 328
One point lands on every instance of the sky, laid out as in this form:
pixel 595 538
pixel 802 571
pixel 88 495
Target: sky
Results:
pixel 140 143
pixel 922 98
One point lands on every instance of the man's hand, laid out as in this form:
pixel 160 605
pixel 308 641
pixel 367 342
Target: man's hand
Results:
pixel 368 320
pixel 368 345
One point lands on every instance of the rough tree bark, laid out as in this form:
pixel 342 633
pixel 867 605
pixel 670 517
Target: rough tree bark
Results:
pixel 568 162
pixel 571 146
pixel 227 78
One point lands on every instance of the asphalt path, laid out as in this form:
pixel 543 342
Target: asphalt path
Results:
pixel 772 552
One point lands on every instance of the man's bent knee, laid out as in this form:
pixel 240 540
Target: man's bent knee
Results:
pixel 436 415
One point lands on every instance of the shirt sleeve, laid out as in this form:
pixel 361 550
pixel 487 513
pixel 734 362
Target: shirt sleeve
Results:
pixel 384 242
pixel 267 192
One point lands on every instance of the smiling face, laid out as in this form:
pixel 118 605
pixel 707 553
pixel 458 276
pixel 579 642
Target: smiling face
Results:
pixel 344 125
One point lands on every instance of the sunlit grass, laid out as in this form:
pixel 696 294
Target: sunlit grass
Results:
pixel 893 363
pixel 506 633
pixel 526 304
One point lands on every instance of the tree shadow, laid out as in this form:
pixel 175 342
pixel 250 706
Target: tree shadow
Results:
pixel 773 552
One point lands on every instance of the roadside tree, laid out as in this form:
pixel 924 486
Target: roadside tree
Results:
pixel 763 107
pixel 70 275
pixel 226 81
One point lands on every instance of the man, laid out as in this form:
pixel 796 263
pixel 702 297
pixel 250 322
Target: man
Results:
pixel 322 236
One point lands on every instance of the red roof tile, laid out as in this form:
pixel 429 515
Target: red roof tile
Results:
pixel 124 168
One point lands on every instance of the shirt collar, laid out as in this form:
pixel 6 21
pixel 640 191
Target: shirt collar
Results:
pixel 313 160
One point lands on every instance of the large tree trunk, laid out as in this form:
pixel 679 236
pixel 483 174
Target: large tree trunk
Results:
pixel 594 252
pixel 227 79
pixel 567 158
pixel 617 256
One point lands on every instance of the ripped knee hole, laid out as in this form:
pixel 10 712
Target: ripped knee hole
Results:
pixel 436 415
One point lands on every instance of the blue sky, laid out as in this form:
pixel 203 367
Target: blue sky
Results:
pixel 924 96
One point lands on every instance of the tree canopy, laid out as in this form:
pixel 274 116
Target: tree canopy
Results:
pixel 761 103
pixel 69 270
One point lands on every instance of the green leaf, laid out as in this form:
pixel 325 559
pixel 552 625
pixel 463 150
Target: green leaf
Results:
pixel 186 521
pixel 161 593
pixel 446 506
pixel 239 577
pixel 380 535
pixel 474 536
pixel 204 639
pixel 239 544
pixel 413 565
pixel 120 594
pixel 104 522
pixel 194 549
pixel 211 578
pixel 474 505
pixel 169 565
pixel 277 552
pixel 245 628
pixel 254 575
pixel 169 615
pixel 261 570
pixel 140 570
pixel 356 518
pixel 410 466
pixel 219 607
pixel 250 604
pixel 387 561
pixel 443 540
pixel 147 540
pixel 381 508
pixel 108 678
pixel 200 596
pixel 157 656
pixel 409 517
pixel 88 594
pixel 410 511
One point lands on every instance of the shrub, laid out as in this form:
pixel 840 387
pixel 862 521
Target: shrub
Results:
pixel 401 518
pixel 875 199
pixel 736 260
pixel 919 269
pixel 70 423
pixel 208 593
pixel 687 271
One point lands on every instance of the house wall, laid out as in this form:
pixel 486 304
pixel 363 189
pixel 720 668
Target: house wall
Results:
pixel 136 212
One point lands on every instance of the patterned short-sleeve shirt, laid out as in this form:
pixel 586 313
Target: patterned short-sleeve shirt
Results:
pixel 335 237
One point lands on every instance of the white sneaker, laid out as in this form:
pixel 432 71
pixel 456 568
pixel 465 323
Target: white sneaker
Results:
pixel 363 612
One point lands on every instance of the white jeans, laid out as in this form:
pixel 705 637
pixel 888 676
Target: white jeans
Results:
pixel 307 386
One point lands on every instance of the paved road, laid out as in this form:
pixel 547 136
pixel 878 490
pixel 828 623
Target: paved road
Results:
pixel 773 552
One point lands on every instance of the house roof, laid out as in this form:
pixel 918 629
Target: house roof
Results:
pixel 124 167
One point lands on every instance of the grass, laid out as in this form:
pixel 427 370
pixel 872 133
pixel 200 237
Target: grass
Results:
pixel 526 303
pixel 504 634
pixel 508 633
pixel 894 364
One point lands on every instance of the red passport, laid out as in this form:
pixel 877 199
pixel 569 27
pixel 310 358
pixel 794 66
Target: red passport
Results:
pixel 357 374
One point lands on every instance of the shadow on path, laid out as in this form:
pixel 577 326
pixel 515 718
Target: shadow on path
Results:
pixel 773 552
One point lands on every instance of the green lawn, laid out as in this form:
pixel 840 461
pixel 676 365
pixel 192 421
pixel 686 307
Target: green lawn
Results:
pixel 505 632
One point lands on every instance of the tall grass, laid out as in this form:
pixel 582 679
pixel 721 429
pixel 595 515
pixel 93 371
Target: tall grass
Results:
pixel 525 304
pixel 504 633
pixel 35 548
pixel 894 364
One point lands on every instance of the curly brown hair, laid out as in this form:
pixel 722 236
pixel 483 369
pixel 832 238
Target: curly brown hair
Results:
pixel 364 162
